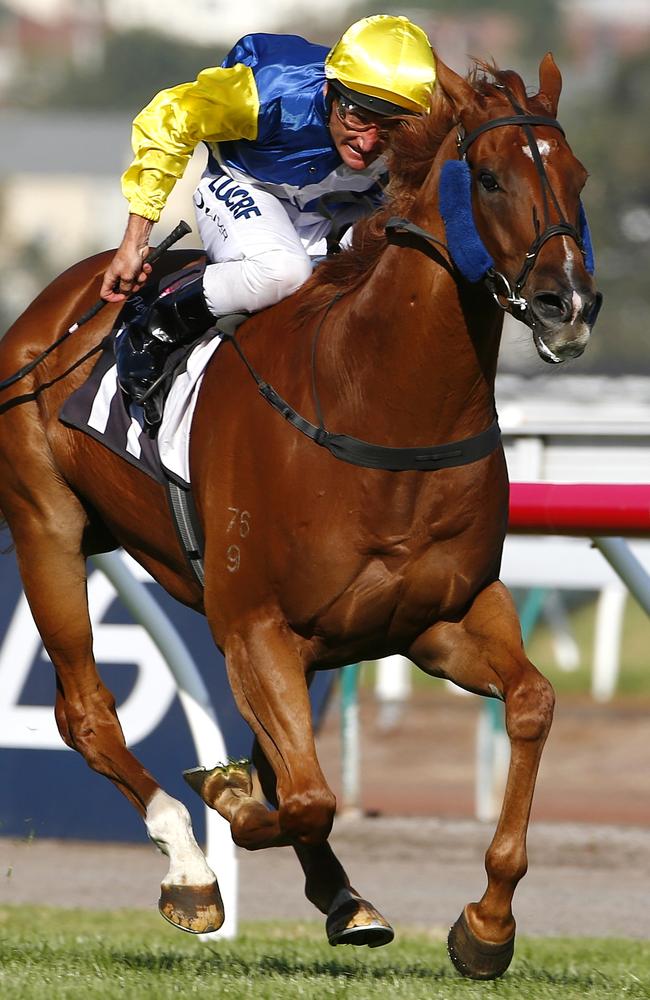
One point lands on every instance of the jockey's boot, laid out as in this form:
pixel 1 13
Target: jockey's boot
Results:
pixel 178 316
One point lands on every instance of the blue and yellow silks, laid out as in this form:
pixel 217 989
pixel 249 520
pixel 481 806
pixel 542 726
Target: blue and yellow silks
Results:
pixel 262 115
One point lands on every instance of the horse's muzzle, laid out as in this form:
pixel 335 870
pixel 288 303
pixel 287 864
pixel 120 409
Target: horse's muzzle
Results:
pixel 553 308
pixel 562 322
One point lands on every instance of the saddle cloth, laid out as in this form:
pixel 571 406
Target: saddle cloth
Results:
pixel 99 408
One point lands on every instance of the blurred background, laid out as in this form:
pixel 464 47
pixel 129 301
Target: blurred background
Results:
pixel 73 73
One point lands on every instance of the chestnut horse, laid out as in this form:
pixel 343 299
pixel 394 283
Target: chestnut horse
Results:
pixel 346 555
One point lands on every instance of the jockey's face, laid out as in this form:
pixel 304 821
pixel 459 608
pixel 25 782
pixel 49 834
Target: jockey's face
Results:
pixel 359 136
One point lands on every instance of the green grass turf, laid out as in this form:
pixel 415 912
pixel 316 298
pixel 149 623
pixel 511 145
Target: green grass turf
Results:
pixel 69 955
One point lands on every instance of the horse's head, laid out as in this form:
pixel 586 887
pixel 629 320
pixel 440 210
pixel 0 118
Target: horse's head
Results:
pixel 510 197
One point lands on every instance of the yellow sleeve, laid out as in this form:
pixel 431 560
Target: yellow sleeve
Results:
pixel 221 104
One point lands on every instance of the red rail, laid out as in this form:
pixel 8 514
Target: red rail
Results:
pixel 591 509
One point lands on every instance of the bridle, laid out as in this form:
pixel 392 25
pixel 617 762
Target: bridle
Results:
pixel 496 281
pixel 506 293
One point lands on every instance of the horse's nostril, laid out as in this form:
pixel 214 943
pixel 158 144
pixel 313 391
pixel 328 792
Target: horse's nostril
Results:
pixel 592 308
pixel 550 307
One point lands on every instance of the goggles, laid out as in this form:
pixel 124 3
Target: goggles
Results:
pixel 354 116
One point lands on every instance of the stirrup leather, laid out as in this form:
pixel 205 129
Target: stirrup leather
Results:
pixel 178 316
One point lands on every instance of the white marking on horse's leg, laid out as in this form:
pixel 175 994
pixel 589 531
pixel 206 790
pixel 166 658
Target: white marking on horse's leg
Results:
pixel 170 827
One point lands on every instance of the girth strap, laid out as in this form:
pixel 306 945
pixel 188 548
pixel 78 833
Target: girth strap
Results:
pixel 427 458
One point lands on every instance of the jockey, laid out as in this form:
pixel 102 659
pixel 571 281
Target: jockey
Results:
pixel 294 135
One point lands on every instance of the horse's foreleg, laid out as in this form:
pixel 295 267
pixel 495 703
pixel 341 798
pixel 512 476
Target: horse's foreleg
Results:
pixel 324 874
pixel 54 578
pixel 350 918
pixel 484 653
pixel 267 676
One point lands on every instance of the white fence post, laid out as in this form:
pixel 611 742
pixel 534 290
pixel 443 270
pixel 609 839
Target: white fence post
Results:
pixel 393 686
pixel 608 633
pixel 350 742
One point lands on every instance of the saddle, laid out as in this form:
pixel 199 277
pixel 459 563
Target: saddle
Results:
pixel 101 409
pixel 135 347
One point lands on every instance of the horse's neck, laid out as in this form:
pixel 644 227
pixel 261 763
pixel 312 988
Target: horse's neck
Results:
pixel 412 362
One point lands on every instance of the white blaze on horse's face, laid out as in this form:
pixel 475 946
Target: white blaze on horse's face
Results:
pixel 577 306
pixel 576 299
pixel 566 339
pixel 561 329
pixel 543 146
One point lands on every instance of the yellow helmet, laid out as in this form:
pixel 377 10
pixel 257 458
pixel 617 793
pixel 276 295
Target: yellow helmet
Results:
pixel 384 63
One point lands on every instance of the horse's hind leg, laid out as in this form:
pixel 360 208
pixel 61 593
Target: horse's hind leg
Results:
pixel 48 532
pixel 484 653
pixel 268 680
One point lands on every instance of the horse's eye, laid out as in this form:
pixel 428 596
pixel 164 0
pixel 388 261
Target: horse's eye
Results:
pixel 488 181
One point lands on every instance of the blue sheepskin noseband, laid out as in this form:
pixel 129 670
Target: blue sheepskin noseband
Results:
pixel 466 247
pixel 587 246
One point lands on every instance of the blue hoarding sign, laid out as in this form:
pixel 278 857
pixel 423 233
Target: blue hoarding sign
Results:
pixel 47 790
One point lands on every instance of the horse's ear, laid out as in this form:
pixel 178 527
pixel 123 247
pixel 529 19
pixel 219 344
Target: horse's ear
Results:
pixel 550 84
pixel 460 94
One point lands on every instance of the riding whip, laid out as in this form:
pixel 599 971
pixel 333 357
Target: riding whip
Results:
pixel 182 229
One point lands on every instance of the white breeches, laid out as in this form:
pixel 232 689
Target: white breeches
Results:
pixel 256 256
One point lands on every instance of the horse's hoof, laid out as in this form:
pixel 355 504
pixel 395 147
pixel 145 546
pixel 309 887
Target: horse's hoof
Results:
pixel 475 958
pixel 357 922
pixel 211 783
pixel 197 909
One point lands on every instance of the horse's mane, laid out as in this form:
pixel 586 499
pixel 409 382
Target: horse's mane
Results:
pixel 412 147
